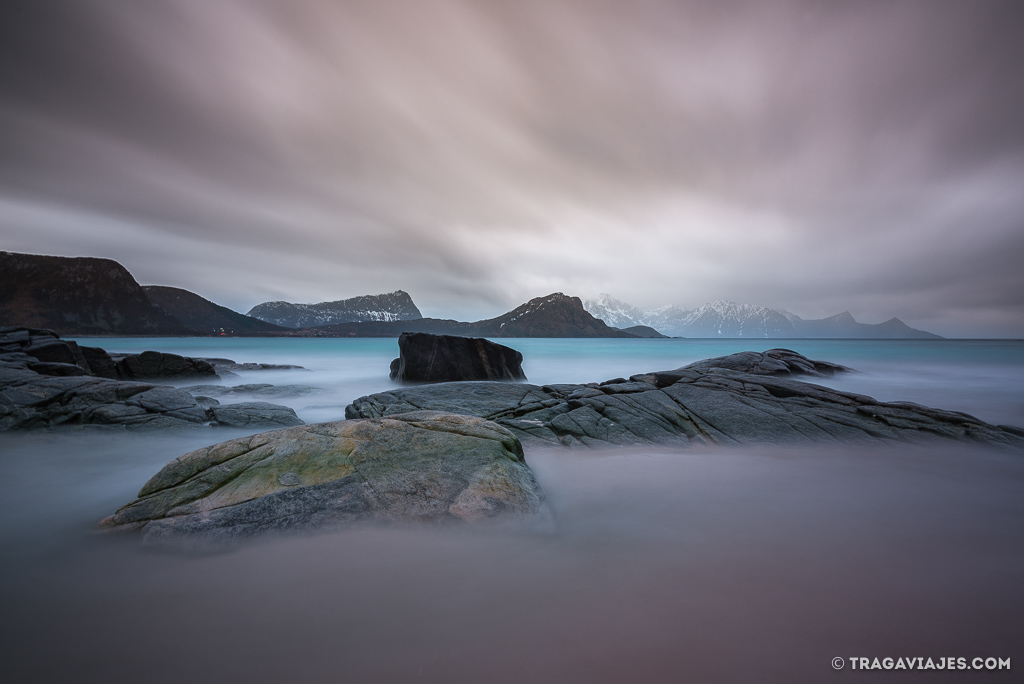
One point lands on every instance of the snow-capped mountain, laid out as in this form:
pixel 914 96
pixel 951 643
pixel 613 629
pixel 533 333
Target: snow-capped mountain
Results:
pixel 393 306
pixel 719 318
pixel 722 318
pixel 615 313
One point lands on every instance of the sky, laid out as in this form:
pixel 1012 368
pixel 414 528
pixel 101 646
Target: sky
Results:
pixel 812 156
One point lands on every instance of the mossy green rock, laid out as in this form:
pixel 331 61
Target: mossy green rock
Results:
pixel 420 466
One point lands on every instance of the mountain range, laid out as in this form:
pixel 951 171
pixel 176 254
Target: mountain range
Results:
pixel 92 296
pixel 556 315
pixel 721 318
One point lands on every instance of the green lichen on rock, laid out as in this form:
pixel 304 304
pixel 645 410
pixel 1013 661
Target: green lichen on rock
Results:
pixel 420 466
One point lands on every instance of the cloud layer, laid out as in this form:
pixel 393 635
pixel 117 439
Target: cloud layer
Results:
pixel 814 156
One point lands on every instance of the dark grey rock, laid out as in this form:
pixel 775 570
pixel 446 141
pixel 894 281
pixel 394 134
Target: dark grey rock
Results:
pixel 447 358
pixel 707 402
pixel 255 389
pixel 151 365
pixel 772 362
pixel 44 394
pixel 54 368
pixel 254 414
pixel 100 362
pixel 228 365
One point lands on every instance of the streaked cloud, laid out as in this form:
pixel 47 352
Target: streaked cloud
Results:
pixel 816 156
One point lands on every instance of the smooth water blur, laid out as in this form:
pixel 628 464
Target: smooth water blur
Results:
pixel 980 377
pixel 759 564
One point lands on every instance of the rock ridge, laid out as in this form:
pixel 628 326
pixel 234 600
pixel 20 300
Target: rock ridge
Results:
pixel 745 398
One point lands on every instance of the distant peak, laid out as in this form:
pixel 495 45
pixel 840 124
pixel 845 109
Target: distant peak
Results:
pixel 845 317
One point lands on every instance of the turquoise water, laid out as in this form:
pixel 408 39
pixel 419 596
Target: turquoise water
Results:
pixel 981 377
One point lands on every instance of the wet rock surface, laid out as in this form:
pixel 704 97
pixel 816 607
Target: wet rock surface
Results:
pixel 221 365
pixel 708 402
pixel 780 362
pixel 421 466
pixel 46 382
pixel 448 358
pixel 260 389
pixel 153 365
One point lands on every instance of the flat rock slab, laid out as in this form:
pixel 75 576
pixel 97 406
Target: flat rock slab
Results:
pixel 781 362
pixel 706 403
pixel 255 389
pixel 422 466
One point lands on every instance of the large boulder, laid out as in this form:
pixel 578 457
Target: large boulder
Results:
pixel 447 358
pixel 714 404
pixel 421 466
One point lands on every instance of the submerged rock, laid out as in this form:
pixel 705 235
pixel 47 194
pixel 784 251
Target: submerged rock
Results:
pixel 424 357
pixel 708 402
pixel 421 466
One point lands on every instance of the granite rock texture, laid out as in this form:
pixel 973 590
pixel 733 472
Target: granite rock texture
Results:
pixel 709 402
pixel 422 466
pixel 46 382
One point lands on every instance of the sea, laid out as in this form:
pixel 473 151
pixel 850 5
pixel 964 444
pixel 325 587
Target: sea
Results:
pixel 706 564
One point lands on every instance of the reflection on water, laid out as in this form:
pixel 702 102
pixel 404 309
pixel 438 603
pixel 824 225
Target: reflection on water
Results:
pixel 714 565
pixel 702 565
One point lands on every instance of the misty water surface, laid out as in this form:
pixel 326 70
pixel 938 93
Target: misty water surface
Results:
pixel 707 564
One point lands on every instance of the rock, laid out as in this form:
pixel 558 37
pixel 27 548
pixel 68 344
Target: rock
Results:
pixel 447 358
pixel 715 404
pixel 29 401
pixel 422 466
pixel 254 414
pixel 60 369
pixel 52 353
pixel 45 382
pixel 782 362
pixel 255 389
pixel 228 365
pixel 151 365
pixel 100 362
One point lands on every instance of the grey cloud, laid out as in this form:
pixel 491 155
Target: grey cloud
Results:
pixel 816 156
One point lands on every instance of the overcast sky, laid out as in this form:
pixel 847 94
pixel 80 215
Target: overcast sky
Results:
pixel 813 156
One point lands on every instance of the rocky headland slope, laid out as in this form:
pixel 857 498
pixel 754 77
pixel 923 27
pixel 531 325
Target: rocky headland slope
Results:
pixel 393 306
pixel 202 315
pixel 78 296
